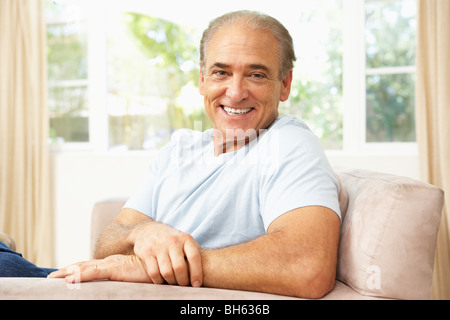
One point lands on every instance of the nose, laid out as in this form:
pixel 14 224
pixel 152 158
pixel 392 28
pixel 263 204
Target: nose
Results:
pixel 237 89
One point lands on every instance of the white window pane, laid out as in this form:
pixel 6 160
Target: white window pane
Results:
pixel 69 116
pixel 152 81
pixel 390 33
pixel 316 95
pixel 390 108
pixel 67 51
pixel 67 68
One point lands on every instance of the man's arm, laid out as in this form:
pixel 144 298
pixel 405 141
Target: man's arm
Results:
pixel 296 257
pixel 114 238
pixel 168 254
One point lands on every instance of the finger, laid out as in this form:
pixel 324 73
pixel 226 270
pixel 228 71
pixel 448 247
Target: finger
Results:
pixel 82 272
pixel 179 267
pixel 165 268
pixel 68 271
pixel 193 256
pixel 88 272
pixel 152 269
pixel 60 273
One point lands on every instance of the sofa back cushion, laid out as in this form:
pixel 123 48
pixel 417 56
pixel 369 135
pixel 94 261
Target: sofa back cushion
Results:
pixel 388 235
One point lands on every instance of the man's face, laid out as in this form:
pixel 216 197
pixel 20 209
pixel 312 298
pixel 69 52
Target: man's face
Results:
pixel 241 84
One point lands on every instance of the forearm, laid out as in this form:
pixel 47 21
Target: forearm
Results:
pixel 168 255
pixel 286 262
pixel 114 240
pixel 239 267
pixel 260 265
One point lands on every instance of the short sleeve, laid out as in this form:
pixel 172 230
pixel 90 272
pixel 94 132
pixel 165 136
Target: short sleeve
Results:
pixel 143 200
pixel 301 175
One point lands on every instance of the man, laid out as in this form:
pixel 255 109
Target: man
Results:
pixel 249 205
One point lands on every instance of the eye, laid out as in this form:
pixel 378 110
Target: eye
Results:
pixel 220 73
pixel 257 76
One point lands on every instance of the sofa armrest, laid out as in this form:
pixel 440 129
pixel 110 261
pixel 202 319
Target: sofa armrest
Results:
pixel 388 235
pixel 102 214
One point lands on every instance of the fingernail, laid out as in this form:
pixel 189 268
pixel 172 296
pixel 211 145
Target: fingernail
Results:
pixel 196 284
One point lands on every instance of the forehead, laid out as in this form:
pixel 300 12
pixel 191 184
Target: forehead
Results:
pixel 240 43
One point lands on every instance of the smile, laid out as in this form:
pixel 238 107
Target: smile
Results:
pixel 236 112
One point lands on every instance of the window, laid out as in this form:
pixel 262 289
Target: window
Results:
pixel 67 71
pixel 379 76
pixel 152 90
pixel 123 76
pixel 390 70
pixel 316 94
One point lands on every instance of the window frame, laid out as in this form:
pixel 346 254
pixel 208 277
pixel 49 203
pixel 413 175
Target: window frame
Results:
pixel 354 86
pixel 95 81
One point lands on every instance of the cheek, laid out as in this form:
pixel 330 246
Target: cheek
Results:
pixel 270 102
pixel 270 98
pixel 211 92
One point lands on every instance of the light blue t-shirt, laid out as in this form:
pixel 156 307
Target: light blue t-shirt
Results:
pixel 234 197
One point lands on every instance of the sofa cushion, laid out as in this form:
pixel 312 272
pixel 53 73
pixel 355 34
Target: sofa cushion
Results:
pixel 58 289
pixel 388 235
pixel 343 198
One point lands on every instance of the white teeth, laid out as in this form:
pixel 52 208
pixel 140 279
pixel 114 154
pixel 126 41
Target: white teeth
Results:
pixel 233 112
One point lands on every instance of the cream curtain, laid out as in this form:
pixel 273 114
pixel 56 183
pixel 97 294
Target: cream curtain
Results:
pixel 24 158
pixel 433 120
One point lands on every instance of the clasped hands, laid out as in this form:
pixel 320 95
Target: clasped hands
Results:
pixel 162 254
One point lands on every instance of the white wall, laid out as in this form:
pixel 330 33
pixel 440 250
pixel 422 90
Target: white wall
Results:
pixel 400 164
pixel 80 179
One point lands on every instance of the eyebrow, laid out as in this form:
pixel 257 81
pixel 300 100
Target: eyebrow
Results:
pixel 219 65
pixel 259 67
pixel 251 66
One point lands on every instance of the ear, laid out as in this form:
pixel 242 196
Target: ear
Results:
pixel 201 83
pixel 286 86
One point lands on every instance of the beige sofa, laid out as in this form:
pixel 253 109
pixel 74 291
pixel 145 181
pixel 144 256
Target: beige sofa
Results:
pixel 387 246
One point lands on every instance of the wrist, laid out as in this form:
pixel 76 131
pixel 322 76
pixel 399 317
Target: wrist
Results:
pixel 135 233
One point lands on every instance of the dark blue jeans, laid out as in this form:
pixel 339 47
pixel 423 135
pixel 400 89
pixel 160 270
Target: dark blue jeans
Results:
pixel 12 264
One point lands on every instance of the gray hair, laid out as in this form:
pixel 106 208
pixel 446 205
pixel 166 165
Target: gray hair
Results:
pixel 256 21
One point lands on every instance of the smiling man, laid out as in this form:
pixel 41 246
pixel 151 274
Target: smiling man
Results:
pixel 241 80
pixel 251 204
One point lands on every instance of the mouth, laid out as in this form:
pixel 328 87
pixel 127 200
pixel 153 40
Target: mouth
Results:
pixel 234 111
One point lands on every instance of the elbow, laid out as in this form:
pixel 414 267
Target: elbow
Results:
pixel 320 286
pixel 315 282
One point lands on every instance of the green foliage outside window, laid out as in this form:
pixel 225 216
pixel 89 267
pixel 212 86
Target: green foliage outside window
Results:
pixel 390 42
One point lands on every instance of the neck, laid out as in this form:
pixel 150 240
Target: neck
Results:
pixel 230 143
